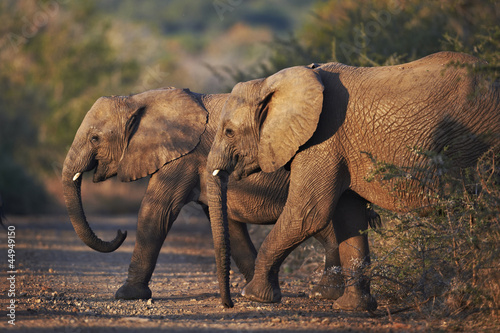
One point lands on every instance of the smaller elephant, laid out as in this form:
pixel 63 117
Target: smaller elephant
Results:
pixel 323 122
pixel 167 134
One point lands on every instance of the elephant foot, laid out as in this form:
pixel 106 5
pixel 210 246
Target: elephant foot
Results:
pixel 133 291
pixel 326 292
pixel 261 293
pixel 331 286
pixel 354 302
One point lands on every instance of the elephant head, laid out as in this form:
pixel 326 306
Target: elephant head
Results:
pixel 129 137
pixel 264 123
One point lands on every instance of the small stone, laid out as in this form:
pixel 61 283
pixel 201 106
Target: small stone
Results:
pixel 150 301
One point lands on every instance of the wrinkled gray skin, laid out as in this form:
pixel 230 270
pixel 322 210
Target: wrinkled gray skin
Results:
pixel 167 133
pixel 321 120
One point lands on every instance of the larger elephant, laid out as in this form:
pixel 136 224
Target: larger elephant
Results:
pixel 326 123
pixel 167 134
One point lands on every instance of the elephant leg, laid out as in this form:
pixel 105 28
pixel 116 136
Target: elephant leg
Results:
pixel 308 210
pixel 149 240
pixel 161 205
pixel 331 285
pixel 242 249
pixel 264 286
pixel 351 218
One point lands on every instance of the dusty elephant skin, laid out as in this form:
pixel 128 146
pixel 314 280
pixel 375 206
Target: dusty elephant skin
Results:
pixel 167 133
pixel 327 122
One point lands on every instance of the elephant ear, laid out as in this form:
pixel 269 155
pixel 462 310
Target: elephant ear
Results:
pixel 290 107
pixel 165 125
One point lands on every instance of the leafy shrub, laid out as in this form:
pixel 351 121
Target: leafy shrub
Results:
pixel 445 257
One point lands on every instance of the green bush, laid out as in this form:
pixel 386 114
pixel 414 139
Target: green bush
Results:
pixel 443 258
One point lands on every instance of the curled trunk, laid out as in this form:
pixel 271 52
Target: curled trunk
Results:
pixel 217 201
pixel 72 196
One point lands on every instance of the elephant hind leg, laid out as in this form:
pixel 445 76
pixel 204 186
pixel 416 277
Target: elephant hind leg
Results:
pixel 242 249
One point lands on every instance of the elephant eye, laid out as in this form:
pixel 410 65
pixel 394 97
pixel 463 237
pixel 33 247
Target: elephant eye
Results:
pixel 229 132
pixel 94 139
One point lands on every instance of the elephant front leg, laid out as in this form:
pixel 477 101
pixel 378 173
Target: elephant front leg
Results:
pixel 308 210
pixel 168 191
pixel 149 240
pixel 264 286
pixel 285 236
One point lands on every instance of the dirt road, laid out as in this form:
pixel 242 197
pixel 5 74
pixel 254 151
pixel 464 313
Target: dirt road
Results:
pixel 63 286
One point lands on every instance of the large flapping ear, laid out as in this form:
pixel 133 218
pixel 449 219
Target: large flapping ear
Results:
pixel 291 104
pixel 165 125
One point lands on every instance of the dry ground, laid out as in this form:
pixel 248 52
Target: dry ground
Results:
pixel 63 286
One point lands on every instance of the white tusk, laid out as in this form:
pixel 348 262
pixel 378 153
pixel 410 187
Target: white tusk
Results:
pixel 216 172
pixel 76 176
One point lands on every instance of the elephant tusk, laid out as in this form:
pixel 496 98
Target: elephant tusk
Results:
pixel 76 176
pixel 216 172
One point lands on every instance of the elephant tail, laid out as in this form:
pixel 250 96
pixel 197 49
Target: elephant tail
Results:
pixel 374 220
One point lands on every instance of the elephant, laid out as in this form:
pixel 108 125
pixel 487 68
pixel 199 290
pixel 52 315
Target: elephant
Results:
pixel 167 134
pixel 326 123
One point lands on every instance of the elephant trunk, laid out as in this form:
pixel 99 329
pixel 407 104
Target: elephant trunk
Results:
pixel 217 201
pixel 71 181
